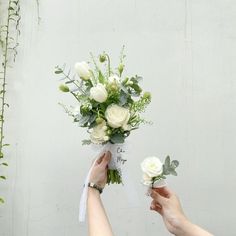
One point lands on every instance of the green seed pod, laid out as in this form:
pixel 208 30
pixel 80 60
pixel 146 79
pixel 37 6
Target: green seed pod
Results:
pixel 109 132
pixel 99 120
pixel 147 95
pixel 64 88
pixel 102 58
pixel 121 68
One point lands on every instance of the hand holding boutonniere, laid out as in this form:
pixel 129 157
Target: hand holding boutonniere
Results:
pixel 155 172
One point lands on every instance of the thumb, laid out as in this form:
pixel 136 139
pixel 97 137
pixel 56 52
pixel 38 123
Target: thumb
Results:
pixel 106 159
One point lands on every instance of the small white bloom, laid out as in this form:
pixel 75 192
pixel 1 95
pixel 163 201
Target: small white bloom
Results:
pixel 114 79
pixel 117 116
pixel 98 134
pixel 104 128
pixel 99 93
pixel 83 70
pixel 152 166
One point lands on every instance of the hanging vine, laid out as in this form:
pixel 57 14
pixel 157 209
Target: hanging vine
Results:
pixel 9 32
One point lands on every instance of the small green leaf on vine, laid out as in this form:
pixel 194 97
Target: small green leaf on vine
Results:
pixel 4 164
pixel 6 144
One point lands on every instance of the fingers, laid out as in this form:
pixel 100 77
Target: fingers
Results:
pixel 99 160
pixel 106 159
pixel 156 207
pixel 158 198
pixel 164 191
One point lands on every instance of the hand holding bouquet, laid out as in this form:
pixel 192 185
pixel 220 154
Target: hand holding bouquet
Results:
pixel 109 105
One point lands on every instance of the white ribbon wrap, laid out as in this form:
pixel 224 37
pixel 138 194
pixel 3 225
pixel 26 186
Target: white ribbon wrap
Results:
pixel 157 184
pixel 117 161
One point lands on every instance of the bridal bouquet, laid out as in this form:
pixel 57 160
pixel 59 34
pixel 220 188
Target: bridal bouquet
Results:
pixel 108 104
pixel 155 172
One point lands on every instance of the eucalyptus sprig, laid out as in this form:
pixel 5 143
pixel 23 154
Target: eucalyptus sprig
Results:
pixel 168 169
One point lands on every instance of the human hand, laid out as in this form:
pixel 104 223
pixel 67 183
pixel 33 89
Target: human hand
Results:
pixel 167 204
pixel 98 173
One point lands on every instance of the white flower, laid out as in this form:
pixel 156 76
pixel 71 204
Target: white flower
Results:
pixel 83 70
pixel 117 116
pixel 152 166
pixel 146 180
pixel 114 82
pixel 114 79
pixel 98 133
pixel 99 93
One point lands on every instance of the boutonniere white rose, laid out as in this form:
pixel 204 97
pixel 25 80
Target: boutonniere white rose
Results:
pixel 155 172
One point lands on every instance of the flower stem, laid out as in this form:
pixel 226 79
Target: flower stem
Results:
pixel 113 177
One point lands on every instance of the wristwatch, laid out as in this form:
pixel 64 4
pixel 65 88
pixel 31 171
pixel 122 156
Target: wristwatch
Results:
pixel 93 185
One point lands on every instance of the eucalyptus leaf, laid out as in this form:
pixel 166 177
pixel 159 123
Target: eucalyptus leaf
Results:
pixel 86 142
pixel 58 71
pixel 84 120
pixel 101 78
pixel 123 98
pixel 92 118
pixel 165 170
pixel 174 164
pixel 117 138
pixel 124 89
pixel 69 82
pixel 173 172
pixel 167 161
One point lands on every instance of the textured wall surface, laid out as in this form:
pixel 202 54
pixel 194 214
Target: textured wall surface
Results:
pixel 186 52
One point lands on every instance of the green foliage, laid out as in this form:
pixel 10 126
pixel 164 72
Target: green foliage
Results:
pixel 86 142
pixel 9 33
pixel 113 177
pixel 170 166
pixel 168 169
pixel 117 138
pixel 1 200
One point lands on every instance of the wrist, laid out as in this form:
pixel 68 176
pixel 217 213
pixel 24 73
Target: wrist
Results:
pixel 92 192
pixel 184 228
pixel 95 186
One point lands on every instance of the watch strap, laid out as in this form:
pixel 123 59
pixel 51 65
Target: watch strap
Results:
pixel 93 185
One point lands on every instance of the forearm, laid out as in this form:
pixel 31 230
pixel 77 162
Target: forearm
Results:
pixel 97 218
pixel 189 229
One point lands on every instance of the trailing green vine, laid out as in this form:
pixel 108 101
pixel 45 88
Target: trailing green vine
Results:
pixel 9 32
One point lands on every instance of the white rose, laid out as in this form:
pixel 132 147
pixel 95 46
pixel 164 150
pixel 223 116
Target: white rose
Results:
pixel 117 116
pixel 152 166
pixel 98 133
pixel 99 93
pixel 146 180
pixel 83 70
